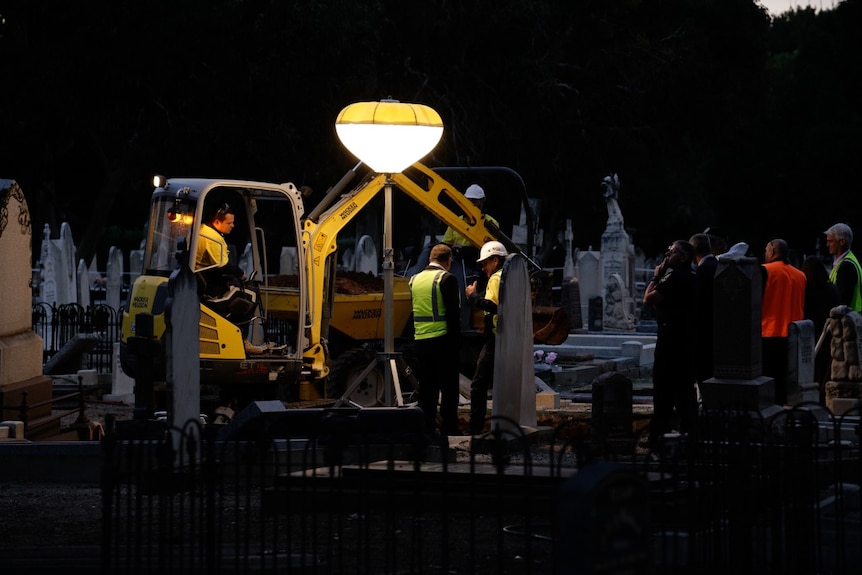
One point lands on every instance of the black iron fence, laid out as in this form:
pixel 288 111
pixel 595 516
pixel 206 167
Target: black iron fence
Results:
pixel 89 333
pixel 60 326
pixel 365 491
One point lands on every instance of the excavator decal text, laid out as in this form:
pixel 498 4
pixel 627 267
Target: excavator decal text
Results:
pixel 345 213
pixel 372 313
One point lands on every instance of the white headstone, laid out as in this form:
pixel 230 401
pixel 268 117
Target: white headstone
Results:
pixel 366 256
pixel 246 261
pixel 83 284
pixel 589 278
pixel 48 273
pixel 114 286
pixel 347 259
pixel 136 265
pixel 122 386
pixel 67 271
pixel 289 263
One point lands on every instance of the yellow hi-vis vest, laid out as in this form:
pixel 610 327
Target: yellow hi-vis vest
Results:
pixel 212 249
pixel 856 300
pixel 429 312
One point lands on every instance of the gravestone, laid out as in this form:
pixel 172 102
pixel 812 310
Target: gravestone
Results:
pixel 48 269
pixel 365 260
pixel 570 300
pixel 58 269
pixel 122 386
pixel 20 347
pixel 595 314
pixel 738 382
pixel 604 523
pixel 514 391
pixel 246 260
pixel 182 318
pixel 589 278
pixel 288 262
pixel 83 284
pixel 612 413
pixel 801 385
pixel 136 265
pixel 114 282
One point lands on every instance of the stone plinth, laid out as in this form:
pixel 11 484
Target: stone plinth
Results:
pixel 757 394
pixel 39 390
pixel 20 357
pixel 840 390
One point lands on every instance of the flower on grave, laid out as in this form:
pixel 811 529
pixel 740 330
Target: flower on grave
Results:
pixel 538 355
pixel 551 358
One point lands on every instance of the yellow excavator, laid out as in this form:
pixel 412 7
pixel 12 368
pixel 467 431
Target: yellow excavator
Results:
pixel 311 327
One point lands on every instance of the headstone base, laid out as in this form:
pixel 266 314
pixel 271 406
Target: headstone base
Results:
pixel 39 390
pixel 739 394
pixel 838 390
pixel 803 393
pixel 20 357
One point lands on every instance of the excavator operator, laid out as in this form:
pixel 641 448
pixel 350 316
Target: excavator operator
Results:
pixel 213 251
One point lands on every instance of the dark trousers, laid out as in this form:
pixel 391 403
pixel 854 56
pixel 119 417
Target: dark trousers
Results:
pixel 674 393
pixel 438 376
pixel 775 365
pixel 483 380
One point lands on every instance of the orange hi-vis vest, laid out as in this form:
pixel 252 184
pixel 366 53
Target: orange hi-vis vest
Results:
pixel 783 299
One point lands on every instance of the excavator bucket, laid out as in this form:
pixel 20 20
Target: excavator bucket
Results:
pixel 550 325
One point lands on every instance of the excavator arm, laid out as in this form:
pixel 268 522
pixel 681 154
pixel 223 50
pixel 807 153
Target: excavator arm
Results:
pixel 321 229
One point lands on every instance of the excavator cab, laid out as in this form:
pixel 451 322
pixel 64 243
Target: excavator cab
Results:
pixel 233 320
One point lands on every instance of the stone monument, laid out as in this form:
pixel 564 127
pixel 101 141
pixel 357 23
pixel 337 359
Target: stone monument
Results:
pixel 20 347
pixel 616 315
pixel 738 382
pixel 844 388
pixel 616 263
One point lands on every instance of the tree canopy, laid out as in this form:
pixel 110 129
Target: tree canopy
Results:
pixel 711 112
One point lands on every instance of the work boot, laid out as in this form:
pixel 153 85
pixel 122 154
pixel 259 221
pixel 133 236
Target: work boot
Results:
pixel 251 349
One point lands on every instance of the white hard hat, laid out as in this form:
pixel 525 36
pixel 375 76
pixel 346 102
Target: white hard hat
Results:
pixel 475 192
pixel 492 249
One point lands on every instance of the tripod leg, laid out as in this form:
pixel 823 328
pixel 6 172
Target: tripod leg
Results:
pixel 399 400
pixel 345 398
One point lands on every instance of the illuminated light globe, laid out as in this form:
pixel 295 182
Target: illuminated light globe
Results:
pixel 388 136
